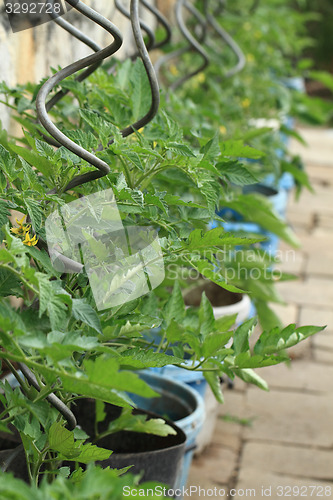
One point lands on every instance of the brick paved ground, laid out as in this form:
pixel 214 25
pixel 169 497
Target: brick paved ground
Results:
pixel 285 437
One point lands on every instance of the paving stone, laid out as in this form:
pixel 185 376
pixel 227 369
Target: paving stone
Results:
pixel 287 313
pixel 216 464
pixel 292 261
pixel 297 217
pixel 323 356
pixel 317 316
pixel 323 340
pixel 289 460
pixel 257 483
pixel 318 203
pixel 197 485
pixel 313 291
pixel 299 375
pixel 290 417
pixel 320 264
pixel 319 149
pixel 234 405
pixel 228 434
pixel 325 221
pixel 320 174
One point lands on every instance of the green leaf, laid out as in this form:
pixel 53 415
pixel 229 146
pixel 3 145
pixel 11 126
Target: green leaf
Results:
pixel 139 423
pixel 214 382
pixel 214 342
pixel 206 316
pixel 323 77
pixel 9 284
pixel 83 311
pixel 251 377
pixel 4 212
pixel 52 299
pixel 43 165
pixel 237 173
pixel 141 94
pixel 242 335
pixel 35 212
pixel 139 358
pixel 7 164
pixel 62 440
pixel 175 307
pixel 237 148
pixel 276 340
pixel 181 149
pixel 211 150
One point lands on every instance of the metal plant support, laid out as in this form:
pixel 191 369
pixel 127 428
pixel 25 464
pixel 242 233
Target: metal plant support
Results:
pixel 197 44
pixel 90 62
pixel 194 44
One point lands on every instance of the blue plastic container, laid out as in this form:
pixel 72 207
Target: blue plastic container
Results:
pixel 179 403
pixel 194 379
pixel 278 197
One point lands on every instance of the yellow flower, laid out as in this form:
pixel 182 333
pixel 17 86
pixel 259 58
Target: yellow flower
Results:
pixel 258 35
pixel 201 77
pixel 247 26
pixel 30 242
pixel 22 229
pixel 223 130
pixel 246 102
pixel 250 58
pixel 174 70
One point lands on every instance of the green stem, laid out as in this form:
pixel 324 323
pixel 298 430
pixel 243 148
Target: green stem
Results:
pixel 24 281
pixel 127 173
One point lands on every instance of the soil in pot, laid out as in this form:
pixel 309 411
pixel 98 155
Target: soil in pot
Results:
pixel 12 456
pixel 158 457
pixel 216 295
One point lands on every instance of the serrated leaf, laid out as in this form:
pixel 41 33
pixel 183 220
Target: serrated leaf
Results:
pixel 251 377
pixel 175 307
pixel 139 423
pixel 242 335
pixel 214 382
pixel 83 311
pixel 141 93
pixel 9 284
pixel 206 316
pixel 180 148
pixel 211 150
pixel 237 148
pixel 35 212
pixel 237 173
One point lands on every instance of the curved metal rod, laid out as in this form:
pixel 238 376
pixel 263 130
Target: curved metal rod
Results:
pixel 161 20
pixel 232 44
pixel 101 166
pixel 179 52
pixel 143 25
pixel 82 37
pixel 154 87
pixel 194 45
pixel 52 398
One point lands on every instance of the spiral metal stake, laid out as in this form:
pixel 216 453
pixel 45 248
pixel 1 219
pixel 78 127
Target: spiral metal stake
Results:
pixel 160 20
pixel 151 36
pixel 232 44
pixel 79 35
pixel 101 166
pixel 194 45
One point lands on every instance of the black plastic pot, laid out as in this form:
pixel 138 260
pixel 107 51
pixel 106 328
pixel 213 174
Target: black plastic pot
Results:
pixel 158 458
pixel 12 456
